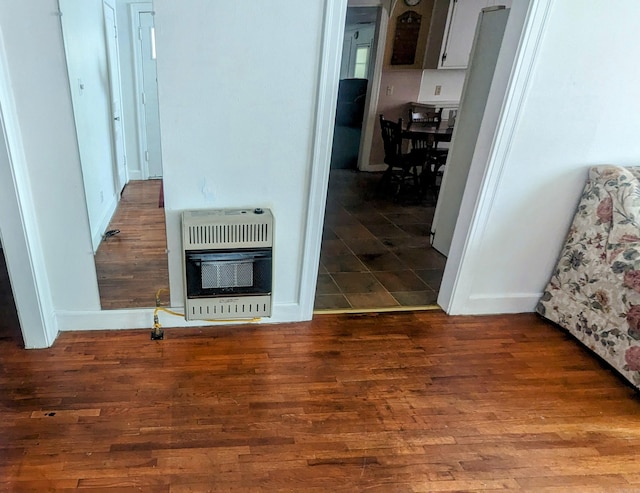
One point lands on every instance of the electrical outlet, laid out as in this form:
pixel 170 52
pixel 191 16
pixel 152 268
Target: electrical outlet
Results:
pixel 438 89
pixel 389 90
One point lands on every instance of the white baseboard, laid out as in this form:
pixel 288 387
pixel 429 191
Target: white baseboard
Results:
pixel 497 304
pixel 142 318
pixel 109 211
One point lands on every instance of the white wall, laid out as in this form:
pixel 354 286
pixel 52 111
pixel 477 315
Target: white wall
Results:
pixel 237 91
pixel 560 125
pixel 450 82
pixel 86 51
pixel 36 68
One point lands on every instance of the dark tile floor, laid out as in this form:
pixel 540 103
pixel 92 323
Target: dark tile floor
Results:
pixel 375 250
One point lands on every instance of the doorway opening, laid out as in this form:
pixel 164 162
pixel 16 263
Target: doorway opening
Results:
pixel 375 252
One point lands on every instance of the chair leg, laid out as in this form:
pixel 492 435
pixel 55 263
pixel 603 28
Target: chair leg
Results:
pixel 386 180
pixel 408 185
pixel 416 180
pixel 436 188
pixel 400 182
pixel 428 181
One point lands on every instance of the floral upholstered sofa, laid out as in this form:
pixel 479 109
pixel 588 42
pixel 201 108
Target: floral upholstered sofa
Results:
pixel 594 292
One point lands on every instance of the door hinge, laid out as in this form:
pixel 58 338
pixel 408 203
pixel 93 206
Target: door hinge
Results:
pixel 444 57
pixel 144 99
pixel 140 33
pixel 146 156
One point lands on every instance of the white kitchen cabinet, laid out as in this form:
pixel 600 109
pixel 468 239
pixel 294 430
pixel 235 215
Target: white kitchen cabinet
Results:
pixel 459 30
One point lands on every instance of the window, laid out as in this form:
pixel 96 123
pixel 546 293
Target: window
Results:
pixel 362 62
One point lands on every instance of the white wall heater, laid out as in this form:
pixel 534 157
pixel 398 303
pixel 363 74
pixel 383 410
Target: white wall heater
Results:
pixel 228 258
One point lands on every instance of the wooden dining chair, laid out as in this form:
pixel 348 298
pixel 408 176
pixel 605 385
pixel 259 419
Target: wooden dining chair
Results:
pixel 425 118
pixel 402 173
pixel 430 159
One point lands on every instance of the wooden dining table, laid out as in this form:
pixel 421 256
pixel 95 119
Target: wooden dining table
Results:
pixel 418 131
pixel 433 162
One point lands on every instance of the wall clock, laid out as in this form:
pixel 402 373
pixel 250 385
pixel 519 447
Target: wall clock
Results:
pixel 411 3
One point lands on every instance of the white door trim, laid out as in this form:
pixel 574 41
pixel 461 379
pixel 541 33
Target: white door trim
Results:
pixel 333 34
pixel 20 237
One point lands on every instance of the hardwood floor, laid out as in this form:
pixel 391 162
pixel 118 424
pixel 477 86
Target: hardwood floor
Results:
pixel 132 265
pixel 395 402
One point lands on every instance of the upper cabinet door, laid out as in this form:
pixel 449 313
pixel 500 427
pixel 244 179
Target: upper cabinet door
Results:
pixel 460 30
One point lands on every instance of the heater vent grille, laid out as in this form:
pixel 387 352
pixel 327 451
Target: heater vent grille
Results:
pixel 227 228
pixel 209 235
pixel 229 308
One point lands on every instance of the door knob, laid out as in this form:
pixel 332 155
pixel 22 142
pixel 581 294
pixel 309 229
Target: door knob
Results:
pixel 116 118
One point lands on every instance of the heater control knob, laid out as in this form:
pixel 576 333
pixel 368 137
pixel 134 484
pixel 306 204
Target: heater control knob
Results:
pixel 258 210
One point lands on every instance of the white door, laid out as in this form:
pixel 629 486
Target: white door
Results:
pixel 111 33
pixel 152 153
pixel 477 84
pixel 460 29
pixel 346 54
pixel 356 52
